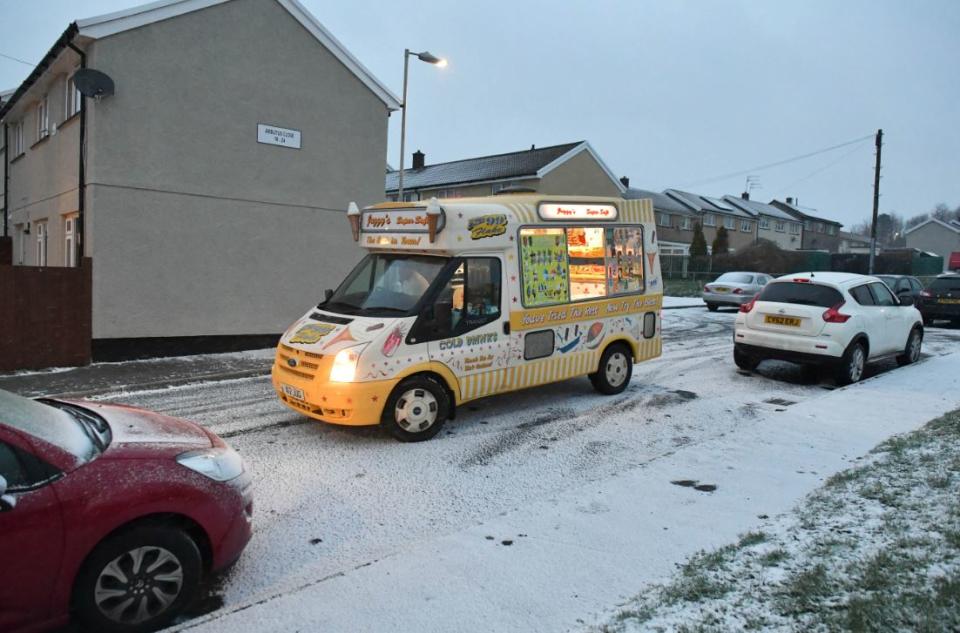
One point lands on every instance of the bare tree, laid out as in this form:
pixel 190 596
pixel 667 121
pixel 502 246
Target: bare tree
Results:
pixel 915 220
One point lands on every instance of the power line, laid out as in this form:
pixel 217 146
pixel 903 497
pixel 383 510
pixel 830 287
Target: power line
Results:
pixel 824 168
pixel 744 172
pixel 16 59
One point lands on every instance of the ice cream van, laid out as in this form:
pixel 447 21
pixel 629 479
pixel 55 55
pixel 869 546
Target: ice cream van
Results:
pixel 467 298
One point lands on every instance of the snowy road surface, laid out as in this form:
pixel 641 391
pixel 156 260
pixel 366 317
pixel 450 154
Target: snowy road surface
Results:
pixel 329 500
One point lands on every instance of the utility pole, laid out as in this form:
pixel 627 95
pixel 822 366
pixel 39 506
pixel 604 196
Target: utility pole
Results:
pixel 876 201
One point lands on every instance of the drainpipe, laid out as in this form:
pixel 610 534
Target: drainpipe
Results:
pixel 6 180
pixel 81 175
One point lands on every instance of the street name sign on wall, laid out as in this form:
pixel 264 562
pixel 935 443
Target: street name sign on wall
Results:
pixel 273 135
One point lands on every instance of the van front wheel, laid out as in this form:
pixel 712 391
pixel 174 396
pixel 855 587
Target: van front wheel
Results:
pixel 616 367
pixel 416 409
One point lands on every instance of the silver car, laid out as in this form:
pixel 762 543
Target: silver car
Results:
pixel 733 289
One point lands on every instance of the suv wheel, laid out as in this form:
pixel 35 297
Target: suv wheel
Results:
pixel 744 361
pixel 712 307
pixel 850 369
pixel 911 352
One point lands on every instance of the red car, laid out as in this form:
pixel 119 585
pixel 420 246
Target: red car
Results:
pixel 111 514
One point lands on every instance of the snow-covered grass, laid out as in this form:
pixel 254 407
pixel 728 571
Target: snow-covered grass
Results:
pixel 876 548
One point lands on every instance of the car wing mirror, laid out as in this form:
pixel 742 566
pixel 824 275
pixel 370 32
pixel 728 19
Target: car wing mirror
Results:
pixel 7 502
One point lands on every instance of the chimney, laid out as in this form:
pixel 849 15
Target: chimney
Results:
pixel 625 181
pixel 418 158
pixel 789 200
pixel 745 195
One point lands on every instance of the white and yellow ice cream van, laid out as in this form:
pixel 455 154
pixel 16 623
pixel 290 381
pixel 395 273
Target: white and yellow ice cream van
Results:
pixel 465 298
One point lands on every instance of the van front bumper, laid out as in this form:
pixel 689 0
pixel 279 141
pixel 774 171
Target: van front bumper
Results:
pixel 347 403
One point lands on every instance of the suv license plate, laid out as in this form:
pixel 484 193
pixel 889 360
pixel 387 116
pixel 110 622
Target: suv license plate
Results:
pixel 779 320
pixel 293 392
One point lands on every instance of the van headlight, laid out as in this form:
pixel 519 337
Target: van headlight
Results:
pixel 218 463
pixel 345 364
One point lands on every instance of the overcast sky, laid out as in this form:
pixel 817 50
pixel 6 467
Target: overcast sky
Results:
pixel 670 93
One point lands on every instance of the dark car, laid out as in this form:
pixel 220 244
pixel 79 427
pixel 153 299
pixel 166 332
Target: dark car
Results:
pixel 903 285
pixel 111 514
pixel 941 299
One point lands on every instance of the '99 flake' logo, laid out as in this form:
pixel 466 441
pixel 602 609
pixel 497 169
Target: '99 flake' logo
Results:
pixel 487 226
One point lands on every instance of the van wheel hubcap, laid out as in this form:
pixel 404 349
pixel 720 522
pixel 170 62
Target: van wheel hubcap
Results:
pixel 416 410
pixel 138 585
pixel 616 369
pixel 856 364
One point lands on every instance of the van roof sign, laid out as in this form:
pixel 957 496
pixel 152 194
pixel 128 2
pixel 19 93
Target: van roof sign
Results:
pixel 568 211
pixel 406 220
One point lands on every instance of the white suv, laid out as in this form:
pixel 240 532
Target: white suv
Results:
pixel 839 320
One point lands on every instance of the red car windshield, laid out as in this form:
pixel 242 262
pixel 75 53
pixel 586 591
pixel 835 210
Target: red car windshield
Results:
pixel 47 423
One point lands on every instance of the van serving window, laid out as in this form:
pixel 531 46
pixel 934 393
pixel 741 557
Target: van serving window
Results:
pixel 580 263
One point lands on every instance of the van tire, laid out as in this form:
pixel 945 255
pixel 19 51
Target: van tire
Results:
pixel 614 371
pixel 416 410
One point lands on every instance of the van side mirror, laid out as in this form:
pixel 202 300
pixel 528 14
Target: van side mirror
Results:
pixel 327 294
pixel 7 502
pixel 906 300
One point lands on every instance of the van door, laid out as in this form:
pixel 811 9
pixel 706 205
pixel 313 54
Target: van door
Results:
pixel 468 332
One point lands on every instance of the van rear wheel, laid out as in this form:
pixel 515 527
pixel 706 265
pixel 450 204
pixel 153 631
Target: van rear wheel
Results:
pixel 615 369
pixel 416 409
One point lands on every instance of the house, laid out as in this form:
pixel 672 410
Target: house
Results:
pixel 211 191
pixel 713 213
pixel 935 236
pixel 818 233
pixel 773 224
pixel 568 169
pixel 674 221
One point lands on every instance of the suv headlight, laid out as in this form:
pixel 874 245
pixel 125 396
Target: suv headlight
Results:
pixel 217 463
pixel 344 367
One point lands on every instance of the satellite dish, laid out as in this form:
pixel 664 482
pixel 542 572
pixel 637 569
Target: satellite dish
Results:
pixel 93 83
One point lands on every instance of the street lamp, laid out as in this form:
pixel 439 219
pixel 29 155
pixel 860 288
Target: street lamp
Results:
pixel 424 57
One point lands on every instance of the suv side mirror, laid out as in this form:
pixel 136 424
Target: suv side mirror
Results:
pixel 906 300
pixel 7 502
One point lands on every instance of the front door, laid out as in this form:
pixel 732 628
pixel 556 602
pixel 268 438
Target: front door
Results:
pixel 468 333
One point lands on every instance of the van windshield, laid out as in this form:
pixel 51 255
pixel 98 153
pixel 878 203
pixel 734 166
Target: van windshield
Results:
pixel 385 285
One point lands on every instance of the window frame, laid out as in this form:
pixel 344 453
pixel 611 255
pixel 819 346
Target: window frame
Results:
pixel 780 226
pixel 565 226
pixel 663 219
pixel 19 148
pixel 686 223
pixel 422 333
pixel 70 239
pixel 711 217
pixel 42 229
pixel 890 294
pixel 42 111
pixel 745 226
pixel 73 100
pixel 729 223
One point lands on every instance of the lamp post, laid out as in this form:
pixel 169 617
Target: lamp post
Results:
pixel 424 57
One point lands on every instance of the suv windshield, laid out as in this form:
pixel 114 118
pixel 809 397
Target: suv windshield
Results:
pixel 385 285
pixel 50 424
pixel 945 284
pixel 801 293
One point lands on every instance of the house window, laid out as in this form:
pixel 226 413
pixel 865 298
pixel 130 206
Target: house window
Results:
pixel 831 230
pixel 685 223
pixel 18 138
pixel 70 240
pixel 709 220
pixel 764 223
pixel 794 228
pixel 20 243
pixel 43 118
pixel 819 227
pixel 411 196
pixel 664 219
pixel 745 226
pixel 41 230
pixel 781 226
pixel 808 225
pixel 729 223
pixel 72 97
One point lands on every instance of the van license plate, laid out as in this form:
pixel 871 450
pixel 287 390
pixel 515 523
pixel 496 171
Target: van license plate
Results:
pixel 293 392
pixel 779 320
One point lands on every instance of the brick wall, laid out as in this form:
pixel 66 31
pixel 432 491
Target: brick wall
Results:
pixel 45 316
